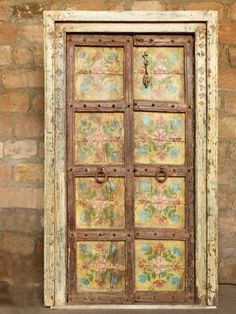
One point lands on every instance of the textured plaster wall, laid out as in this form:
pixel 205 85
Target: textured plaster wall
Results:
pixel 21 136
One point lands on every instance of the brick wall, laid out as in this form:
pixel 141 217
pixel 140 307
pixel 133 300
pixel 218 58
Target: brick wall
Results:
pixel 21 136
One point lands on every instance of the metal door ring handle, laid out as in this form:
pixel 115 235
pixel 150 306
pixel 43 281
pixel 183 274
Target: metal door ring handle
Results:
pixel 161 175
pixel 101 175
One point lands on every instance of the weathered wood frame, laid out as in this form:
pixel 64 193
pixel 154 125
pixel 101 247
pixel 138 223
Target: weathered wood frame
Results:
pixel 204 27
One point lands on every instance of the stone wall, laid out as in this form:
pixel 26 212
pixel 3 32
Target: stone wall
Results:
pixel 21 136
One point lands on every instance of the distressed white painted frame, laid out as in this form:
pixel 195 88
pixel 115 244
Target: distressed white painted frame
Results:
pixel 204 27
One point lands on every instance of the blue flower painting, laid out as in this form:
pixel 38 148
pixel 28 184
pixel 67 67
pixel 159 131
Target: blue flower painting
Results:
pixel 145 247
pixel 142 278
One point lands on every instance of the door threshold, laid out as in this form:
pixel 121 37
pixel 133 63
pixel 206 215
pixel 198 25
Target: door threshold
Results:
pixel 134 307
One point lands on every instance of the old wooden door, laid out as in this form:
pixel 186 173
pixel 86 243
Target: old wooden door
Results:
pixel 130 153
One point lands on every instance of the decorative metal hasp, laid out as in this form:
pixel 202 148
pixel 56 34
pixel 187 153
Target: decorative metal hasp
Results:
pixel 146 76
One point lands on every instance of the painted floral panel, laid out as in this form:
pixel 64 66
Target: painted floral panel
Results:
pixel 159 205
pixel 98 73
pixel 100 205
pixel 159 265
pixel 166 68
pixel 101 266
pixel 99 138
pixel 159 138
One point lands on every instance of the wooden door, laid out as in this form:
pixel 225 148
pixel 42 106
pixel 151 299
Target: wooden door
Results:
pixel 130 154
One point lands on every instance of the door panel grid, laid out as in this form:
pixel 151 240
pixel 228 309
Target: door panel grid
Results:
pixel 130 137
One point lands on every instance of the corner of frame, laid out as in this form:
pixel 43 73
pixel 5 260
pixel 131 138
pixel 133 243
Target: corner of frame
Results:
pixel 212 17
pixel 49 15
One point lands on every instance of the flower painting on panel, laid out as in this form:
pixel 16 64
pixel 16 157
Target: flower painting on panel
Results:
pixel 98 73
pixel 159 138
pixel 99 138
pixel 166 69
pixel 100 205
pixel 159 205
pixel 100 266
pixel 159 265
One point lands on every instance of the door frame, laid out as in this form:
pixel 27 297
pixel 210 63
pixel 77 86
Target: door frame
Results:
pixel 203 25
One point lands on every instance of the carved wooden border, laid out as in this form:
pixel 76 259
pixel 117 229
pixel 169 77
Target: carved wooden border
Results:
pixel 204 26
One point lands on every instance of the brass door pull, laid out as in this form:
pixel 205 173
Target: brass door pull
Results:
pixel 101 175
pixel 161 175
pixel 146 76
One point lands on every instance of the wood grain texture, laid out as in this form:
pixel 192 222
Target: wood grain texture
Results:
pixel 60 171
pixel 200 164
pixel 212 160
pixel 49 164
pixel 134 16
pixel 190 180
pixel 134 27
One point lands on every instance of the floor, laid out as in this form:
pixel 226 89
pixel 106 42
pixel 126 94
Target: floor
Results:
pixel 227 305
